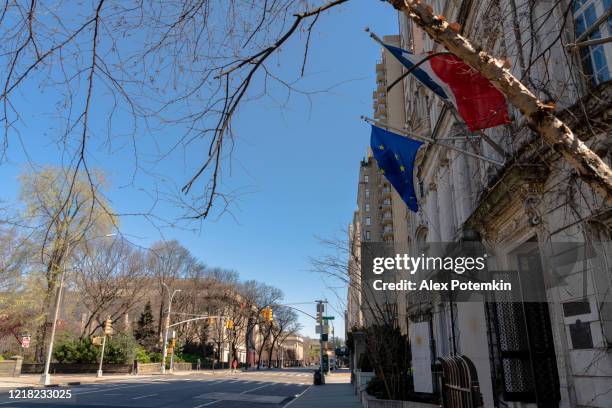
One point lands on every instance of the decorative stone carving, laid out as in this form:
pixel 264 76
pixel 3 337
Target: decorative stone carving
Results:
pixel 531 208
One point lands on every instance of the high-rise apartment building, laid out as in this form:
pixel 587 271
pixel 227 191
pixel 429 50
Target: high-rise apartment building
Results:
pixel 381 214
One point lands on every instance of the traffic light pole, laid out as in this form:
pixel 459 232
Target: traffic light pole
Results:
pixel 165 346
pixel 102 356
pixel 320 314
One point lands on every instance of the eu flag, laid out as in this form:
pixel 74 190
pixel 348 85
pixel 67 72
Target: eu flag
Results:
pixel 395 157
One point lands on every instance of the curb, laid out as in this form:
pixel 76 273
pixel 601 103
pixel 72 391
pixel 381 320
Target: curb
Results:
pixel 68 384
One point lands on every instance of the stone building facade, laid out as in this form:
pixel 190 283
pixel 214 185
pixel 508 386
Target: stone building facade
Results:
pixel 553 353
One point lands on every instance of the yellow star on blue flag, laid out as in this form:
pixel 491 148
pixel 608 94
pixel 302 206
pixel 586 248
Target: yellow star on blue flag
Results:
pixel 396 161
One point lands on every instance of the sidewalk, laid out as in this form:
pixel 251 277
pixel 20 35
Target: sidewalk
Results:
pixel 337 392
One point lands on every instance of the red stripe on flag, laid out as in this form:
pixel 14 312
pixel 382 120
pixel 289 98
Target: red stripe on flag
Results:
pixel 479 103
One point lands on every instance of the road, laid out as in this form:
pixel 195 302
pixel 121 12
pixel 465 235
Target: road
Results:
pixel 265 389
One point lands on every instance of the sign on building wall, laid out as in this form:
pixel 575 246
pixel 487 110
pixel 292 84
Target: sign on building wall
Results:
pixel 421 357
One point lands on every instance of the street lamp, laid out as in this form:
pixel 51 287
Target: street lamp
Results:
pixel 165 352
pixel 45 378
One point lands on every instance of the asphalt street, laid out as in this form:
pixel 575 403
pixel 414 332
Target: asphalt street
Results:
pixel 264 389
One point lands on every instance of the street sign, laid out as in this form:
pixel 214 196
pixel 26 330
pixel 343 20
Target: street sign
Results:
pixel 25 341
pixel 328 317
pixel 317 329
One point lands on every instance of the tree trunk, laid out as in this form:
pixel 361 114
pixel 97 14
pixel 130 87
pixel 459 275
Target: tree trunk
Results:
pixel 160 324
pixel 270 355
pixel 540 116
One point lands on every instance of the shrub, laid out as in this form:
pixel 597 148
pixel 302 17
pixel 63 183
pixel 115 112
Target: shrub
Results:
pixel 120 349
pixel 155 357
pixel 388 352
pixel 76 351
pixel 376 388
pixel 187 357
pixel 142 356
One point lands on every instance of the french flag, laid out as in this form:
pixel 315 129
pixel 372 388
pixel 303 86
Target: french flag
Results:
pixel 477 101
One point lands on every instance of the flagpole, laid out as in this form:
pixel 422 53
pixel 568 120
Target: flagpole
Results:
pixel 486 137
pixel 446 102
pixel 430 140
pixel 374 36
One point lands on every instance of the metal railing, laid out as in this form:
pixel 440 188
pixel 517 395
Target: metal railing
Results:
pixel 459 383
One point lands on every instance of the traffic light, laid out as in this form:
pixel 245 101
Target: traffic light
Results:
pixel 108 327
pixel 173 343
pixel 267 314
pixel 96 341
pixel 211 321
pixel 229 324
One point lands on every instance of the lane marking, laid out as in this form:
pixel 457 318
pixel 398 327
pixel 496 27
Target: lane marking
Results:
pixel 296 397
pixel 115 388
pixel 144 396
pixel 207 404
pixel 256 388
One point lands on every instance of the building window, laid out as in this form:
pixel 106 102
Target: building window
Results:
pixel 594 58
pixel 368 221
pixel 366 178
pixel 367 235
pixel 367 193
pixel 367 207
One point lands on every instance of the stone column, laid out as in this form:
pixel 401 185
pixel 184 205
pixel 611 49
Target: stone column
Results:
pixel 433 221
pixel 446 203
pixel 461 184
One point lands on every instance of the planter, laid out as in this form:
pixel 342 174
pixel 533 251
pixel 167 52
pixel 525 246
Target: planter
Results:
pixel 182 366
pixel 361 379
pixel 368 401
pixel 148 368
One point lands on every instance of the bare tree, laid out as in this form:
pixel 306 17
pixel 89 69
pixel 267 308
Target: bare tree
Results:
pixel 285 324
pixel 168 262
pixel 135 55
pixel 257 296
pixel 110 280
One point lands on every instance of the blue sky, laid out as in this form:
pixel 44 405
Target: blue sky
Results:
pixel 297 165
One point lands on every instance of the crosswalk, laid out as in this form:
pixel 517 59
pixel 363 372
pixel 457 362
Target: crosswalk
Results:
pixel 275 373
